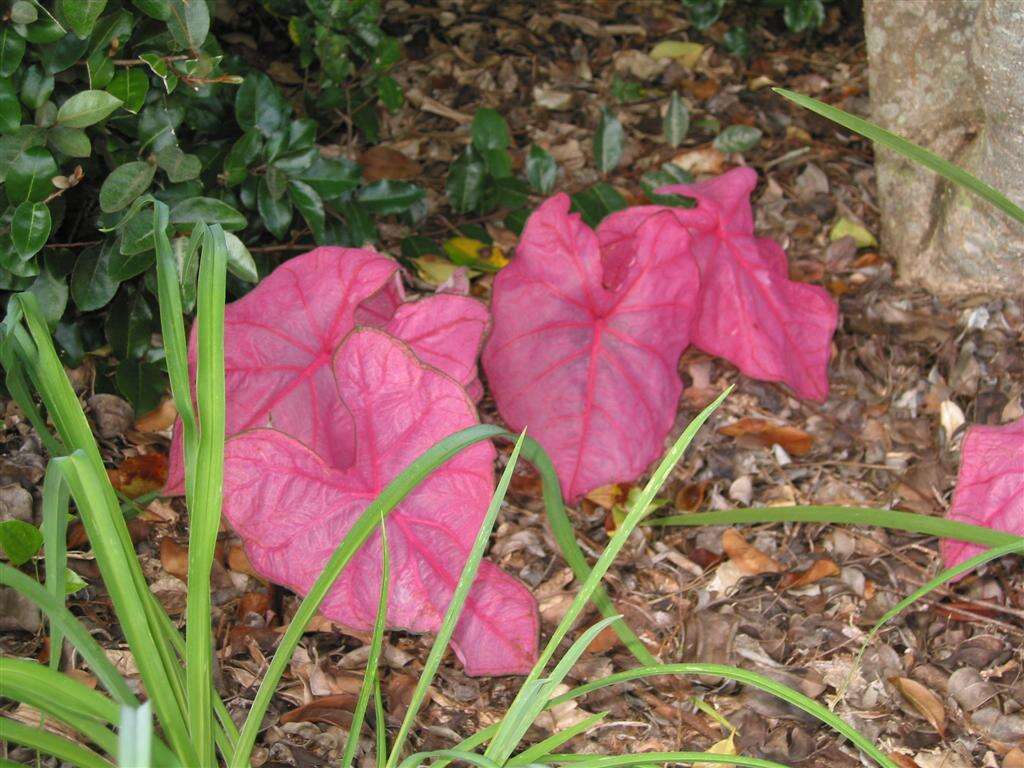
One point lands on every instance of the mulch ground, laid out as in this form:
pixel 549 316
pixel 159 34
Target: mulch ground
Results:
pixel 943 686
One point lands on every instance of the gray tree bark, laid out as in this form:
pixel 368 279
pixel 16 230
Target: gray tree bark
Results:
pixel 949 75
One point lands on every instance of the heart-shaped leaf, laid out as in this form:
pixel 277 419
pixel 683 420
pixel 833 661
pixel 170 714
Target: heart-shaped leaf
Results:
pixel 280 337
pixel 750 312
pixel 990 485
pixel 591 369
pixel 291 507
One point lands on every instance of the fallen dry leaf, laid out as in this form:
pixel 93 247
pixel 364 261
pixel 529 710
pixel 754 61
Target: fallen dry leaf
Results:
pixel 754 431
pixel 820 569
pixel 726 746
pixel 1014 758
pixel 702 160
pixel 687 54
pixel 238 561
pixel 382 162
pixel 903 761
pixel 137 475
pixel 335 710
pixel 748 558
pixel 924 702
pixel 174 558
pixel 160 418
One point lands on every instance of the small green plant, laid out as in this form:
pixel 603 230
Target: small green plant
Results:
pixel 799 16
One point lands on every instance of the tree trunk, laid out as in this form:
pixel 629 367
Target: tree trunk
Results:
pixel 949 75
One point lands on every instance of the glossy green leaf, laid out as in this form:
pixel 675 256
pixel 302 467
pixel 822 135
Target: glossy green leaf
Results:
pixel 189 22
pixel 30 227
pixel 73 142
pixel 80 15
pixel 36 87
pixel 465 183
pixel 240 261
pixel 12 145
pixel 908 149
pixel 87 108
pixel 390 93
pixel 130 85
pixel 608 142
pixel 541 170
pixel 141 383
pixel 259 105
pixel 12 50
pixel 92 286
pixel 305 198
pixel 23 12
pixel 20 541
pixel 10 107
pixel 387 196
pixel 208 210
pixel 129 324
pixel 489 130
pixel 676 122
pixel 52 293
pixel 738 138
pixel 29 174
pixel 178 165
pixel 124 184
pixel 331 177
pixel 275 213
pixel 242 153
pixel 597 201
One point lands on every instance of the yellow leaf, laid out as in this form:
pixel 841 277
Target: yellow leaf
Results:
pixel 726 746
pixel 293 30
pixel 861 236
pixel 687 54
pixel 434 269
pixel 467 252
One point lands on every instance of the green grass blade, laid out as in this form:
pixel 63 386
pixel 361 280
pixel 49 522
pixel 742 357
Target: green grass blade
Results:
pixel 69 701
pixel 909 150
pixel 417 760
pixel 536 694
pixel 100 514
pixel 74 631
pixel 565 536
pixel 360 531
pixel 380 725
pixel 172 325
pixel 55 550
pixel 618 540
pixel 40 687
pixel 540 751
pixel 883 518
pixel 790 696
pixel 135 736
pixel 204 500
pixel 370 679
pixel 18 387
pixel 47 743
pixel 648 758
pixel 455 606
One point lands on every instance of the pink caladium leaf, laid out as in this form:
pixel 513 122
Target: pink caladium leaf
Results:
pixel 279 340
pixel 589 370
pixel 989 487
pixel 750 312
pixel 292 507
pixel 770 327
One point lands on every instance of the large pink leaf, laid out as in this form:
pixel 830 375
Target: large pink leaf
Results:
pixel 770 327
pixel 280 337
pixel 292 508
pixel 990 486
pixel 591 371
pixel 750 312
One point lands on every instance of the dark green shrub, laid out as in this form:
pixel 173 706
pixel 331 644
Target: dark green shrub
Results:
pixel 105 103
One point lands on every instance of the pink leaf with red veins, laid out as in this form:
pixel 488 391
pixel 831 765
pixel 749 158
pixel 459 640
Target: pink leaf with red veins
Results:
pixel 750 312
pixel 591 371
pixel 280 337
pixel 990 486
pixel 292 508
